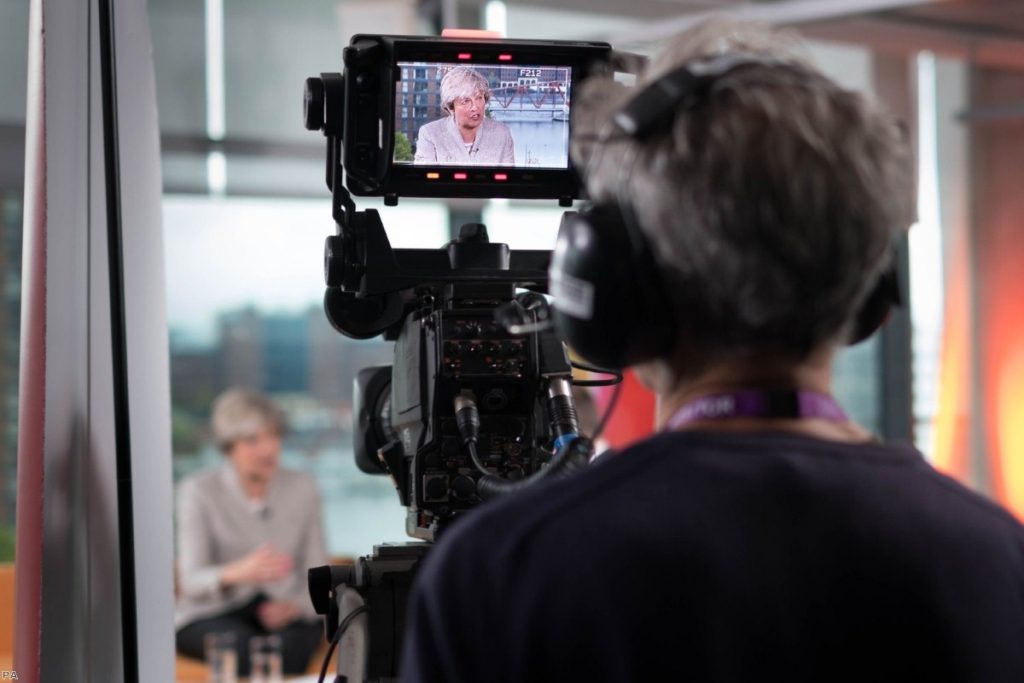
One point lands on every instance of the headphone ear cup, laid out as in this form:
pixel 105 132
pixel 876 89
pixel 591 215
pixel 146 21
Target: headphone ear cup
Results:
pixel 877 307
pixel 603 306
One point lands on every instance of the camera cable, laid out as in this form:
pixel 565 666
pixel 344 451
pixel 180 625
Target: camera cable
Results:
pixel 527 313
pixel 467 418
pixel 573 451
pixel 342 627
pixel 616 375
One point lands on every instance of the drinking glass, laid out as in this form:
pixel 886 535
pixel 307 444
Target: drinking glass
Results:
pixel 265 659
pixel 221 657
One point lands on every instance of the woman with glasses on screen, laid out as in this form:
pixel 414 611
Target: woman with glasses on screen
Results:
pixel 466 135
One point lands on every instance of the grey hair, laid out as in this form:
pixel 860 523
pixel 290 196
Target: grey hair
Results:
pixel 239 414
pixel 462 81
pixel 771 205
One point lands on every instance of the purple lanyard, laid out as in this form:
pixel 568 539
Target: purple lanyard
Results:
pixel 758 404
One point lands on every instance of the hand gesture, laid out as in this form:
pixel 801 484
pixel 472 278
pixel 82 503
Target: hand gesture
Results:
pixel 276 614
pixel 263 565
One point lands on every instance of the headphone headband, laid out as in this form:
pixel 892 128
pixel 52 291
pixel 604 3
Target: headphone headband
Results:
pixel 683 86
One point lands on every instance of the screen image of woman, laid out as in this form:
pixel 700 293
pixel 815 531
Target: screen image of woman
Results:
pixel 466 135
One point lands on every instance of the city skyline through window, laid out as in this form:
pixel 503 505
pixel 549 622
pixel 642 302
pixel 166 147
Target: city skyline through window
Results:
pixel 244 293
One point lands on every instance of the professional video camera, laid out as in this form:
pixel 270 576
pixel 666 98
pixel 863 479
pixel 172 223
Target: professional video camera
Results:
pixel 478 400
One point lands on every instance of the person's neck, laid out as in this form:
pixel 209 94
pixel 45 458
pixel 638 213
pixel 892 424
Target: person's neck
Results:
pixel 253 488
pixel 758 373
pixel 468 134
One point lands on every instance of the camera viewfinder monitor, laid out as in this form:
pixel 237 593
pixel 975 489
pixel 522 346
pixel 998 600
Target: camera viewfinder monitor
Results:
pixel 439 117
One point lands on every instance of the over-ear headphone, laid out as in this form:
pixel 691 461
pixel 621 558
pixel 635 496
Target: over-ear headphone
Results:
pixel 610 300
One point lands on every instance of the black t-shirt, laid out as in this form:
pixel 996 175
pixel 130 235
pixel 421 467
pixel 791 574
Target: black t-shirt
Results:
pixel 704 556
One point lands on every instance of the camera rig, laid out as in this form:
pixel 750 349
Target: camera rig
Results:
pixel 478 400
pixel 461 380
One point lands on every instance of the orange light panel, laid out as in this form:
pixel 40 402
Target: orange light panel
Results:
pixel 952 420
pixel 433 175
pixel 1009 395
pixel 469 33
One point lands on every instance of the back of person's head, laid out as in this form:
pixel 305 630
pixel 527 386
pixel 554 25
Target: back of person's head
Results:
pixel 771 201
pixel 241 414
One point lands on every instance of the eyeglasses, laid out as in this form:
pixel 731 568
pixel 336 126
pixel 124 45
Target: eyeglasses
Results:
pixel 470 101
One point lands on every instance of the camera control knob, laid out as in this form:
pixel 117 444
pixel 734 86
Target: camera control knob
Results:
pixel 515 473
pixel 313 104
pixel 334 262
pixel 436 488
pixel 495 399
pixel 464 487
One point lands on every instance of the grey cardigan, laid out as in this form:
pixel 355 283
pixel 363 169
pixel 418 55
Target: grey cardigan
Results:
pixel 439 142
pixel 216 525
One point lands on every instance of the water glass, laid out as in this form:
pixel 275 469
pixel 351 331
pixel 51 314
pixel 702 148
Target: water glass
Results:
pixel 265 663
pixel 221 657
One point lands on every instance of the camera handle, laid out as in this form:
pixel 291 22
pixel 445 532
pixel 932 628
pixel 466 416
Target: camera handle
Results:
pixel 370 648
pixel 367 280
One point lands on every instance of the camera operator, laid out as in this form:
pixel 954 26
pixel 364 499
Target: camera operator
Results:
pixel 761 535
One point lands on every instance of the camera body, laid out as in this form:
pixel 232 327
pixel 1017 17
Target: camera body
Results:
pixel 407 423
pixel 465 350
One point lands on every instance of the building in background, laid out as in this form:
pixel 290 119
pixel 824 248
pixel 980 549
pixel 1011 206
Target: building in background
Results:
pixel 297 358
pixel 419 99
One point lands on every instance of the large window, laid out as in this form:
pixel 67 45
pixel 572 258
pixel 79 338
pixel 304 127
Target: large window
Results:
pixel 10 326
pixel 13 56
pixel 244 293
pixel 246 212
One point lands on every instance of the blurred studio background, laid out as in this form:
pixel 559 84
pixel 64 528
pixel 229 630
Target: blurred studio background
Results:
pixel 246 210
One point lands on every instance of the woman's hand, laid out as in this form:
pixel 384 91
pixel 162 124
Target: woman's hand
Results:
pixel 263 565
pixel 276 614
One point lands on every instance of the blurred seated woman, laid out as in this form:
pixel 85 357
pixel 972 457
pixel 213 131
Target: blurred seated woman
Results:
pixel 247 532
